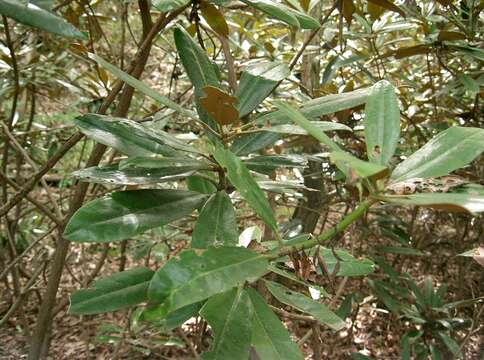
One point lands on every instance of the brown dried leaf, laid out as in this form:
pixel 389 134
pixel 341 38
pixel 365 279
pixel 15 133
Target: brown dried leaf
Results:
pixel 388 5
pixel 451 36
pixel 411 50
pixel 219 105
pixel 347 8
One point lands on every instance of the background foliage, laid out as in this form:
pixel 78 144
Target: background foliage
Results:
pixel 263 179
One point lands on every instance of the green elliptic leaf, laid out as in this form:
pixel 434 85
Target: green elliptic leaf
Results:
pixel 174 319
pixel 314 109
pixel 129 137
pixel 169 5
pixel 229 315
pixel 127 213
pixel 363 169
pixel 347 264
pixel 32 15
pixel 216 224
pixel 111 174
pixel 239 176
pixel 382 123
pixel 285 14
pixel 200 184
pixel 199 68
pixel 118 291
pixel 451 344
pixel 252 143
pixel 307 125
pixel 305 304
pixel 291 129
pixel 270 338
pixel 449 150
pixel 266 164
pixel 176 164
pixel 140 86
pixel 275 10
pixel 443 201
pixel 191 278
pixel 257 82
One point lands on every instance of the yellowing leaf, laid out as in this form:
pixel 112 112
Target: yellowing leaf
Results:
pixel 219 105
pixel 214 18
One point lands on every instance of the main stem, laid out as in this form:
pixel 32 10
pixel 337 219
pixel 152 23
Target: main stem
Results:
pixel 326 235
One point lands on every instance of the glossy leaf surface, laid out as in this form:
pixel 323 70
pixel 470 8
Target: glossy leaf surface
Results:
pixel 129 137
pixel 111 174
pixel 118 291
pixel 191 278
pixel 266 164
pixel 313 109
pixel 347 265
pixel 448 151
pixel 251 143
pixel 270 338
pixel 229 315
pixel 305 304
pixel 257 82
pixel 199 68
pixel 472 203
pixel 32 15
pixel 360 168
pixel 124 214
pixel 216 224
pixel 239 176
pixel 291 129
pixel 382 123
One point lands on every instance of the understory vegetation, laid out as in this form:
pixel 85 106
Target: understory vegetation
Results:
pixel 253 179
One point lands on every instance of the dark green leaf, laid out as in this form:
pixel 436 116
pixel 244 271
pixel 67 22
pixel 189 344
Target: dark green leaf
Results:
pixel 270 338
pixel 32 15
pixel 446 152
pixel 129 137
pixel 112 174
pixel 451 344
pixel 275 10
pixel 251 143
pixel 257 82
pixel 118 291
pixel 216 224
pixel 305 304
pixel 199 68
pixel 266 164
pixel 200 184
pixel 174 319
pixel 191 278
pixel 229 315
pixel 127 213
pixel 239 176
pixel 382 123
pixel 175 164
